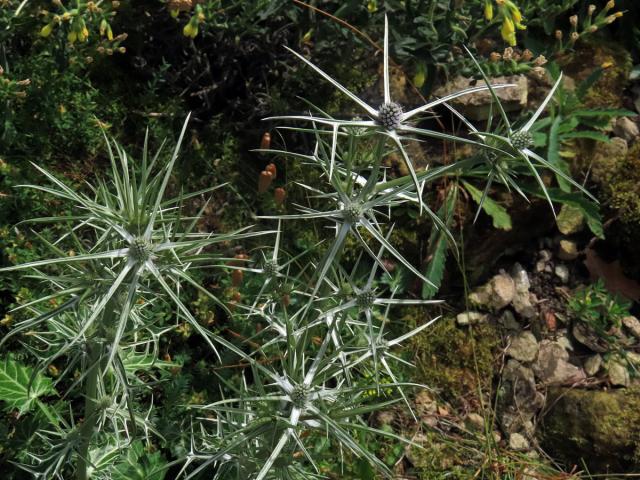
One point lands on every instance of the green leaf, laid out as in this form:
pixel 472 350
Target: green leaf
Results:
pixel 14 385
pixel 602 112
pixel 590 134
pixel 140 465
pixel 589 209
pixel 438 248
pixel 501 219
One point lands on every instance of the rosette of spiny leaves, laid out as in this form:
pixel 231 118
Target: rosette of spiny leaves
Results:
pixel 131 245
pixel 299 396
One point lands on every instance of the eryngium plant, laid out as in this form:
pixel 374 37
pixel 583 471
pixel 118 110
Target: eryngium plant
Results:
pixel 328 354
pixel 132 248
pixel 326 357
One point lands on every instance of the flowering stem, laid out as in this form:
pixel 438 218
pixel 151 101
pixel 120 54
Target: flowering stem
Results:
pixel 95 365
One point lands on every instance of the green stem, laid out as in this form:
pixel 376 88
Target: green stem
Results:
pixel 91 412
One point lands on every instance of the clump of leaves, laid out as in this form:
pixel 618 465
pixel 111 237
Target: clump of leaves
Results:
pixel 595 306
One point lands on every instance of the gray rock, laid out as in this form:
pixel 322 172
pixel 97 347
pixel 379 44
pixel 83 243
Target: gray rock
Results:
pixel 470 318
pixel 626 128
pixel 477 106
pixel 545 255
pixel 589 338
pixel 496 294
pixel 523 305
pixel 567 250
pixel 518 400
pixel 476 420
pixel 520 278
pixel 523 347
pixel 562 272
pixel 553 367
pixel 518 442
pixel 570 220
pixel 508 321
pixel 592 364
pixel 632 324
pixel 618 373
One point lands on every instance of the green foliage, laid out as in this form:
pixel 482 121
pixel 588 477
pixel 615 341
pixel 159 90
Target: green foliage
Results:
pixel 599 309
pixel 497 212
pixel 140 464
pixel 20 388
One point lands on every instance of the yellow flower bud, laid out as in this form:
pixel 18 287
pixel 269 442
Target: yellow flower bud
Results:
pixel 46 30
pixel 72 36
pixel 109 33
pixel 103 27
pixel 508 31
pixel 190 30
pixel 488 10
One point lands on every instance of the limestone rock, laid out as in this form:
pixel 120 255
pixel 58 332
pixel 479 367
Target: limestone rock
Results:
pixel 599 427
pixel 592 364
pixel 470 318
pixel 477 106
pixel 553 367
pixel 518 442
pixel 570 220
pixel 618 373
pixel 626 128
pixel 567 250
pixel 496 294
pixel 562 272
pixel 476 421
pixel 632 324
pixel 508 321
pixel 589 338
pixel 518 400
pixel 523 347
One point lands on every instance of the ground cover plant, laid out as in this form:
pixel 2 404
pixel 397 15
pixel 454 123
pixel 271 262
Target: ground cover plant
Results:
pixel 166 317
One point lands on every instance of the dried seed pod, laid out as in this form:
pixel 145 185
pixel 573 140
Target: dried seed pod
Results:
pixel 279 195
pixel 265 143
pixel 236 277
pixel 264 182
pixel 272 168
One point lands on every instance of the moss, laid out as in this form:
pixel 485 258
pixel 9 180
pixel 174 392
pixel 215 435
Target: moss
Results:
pixel 616 64
pixel 601 428
pixel 621 192
pixel 457 362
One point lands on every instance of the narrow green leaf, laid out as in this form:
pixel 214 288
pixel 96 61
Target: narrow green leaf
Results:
pixel 499 215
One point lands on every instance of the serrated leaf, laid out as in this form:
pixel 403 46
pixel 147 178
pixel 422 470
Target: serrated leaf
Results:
pixel 14 385
pixel 438 248
pixel 140 465
pixel 499 216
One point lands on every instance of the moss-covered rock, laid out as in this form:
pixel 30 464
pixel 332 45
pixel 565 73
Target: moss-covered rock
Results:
pixel 601 428
pixel 457 362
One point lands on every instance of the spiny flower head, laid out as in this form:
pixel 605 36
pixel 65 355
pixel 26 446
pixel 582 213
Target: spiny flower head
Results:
pixel 140 249
pixel 365 299
pixel 270 268
pixel 300 395
pixel 521 140
pixel 390 115
pixel 352 212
